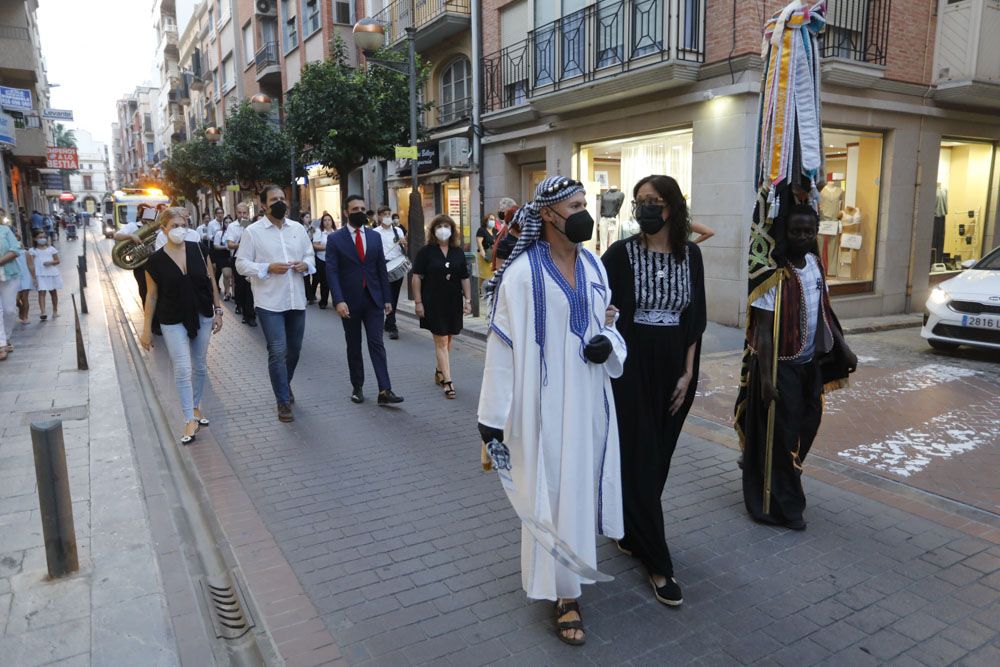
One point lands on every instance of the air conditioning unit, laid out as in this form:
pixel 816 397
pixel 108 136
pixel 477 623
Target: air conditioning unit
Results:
pixel 265 8
pixel 454 153
pixel 965 48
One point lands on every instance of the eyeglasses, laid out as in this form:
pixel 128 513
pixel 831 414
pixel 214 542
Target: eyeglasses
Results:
pixel 649 201
pixel 561 185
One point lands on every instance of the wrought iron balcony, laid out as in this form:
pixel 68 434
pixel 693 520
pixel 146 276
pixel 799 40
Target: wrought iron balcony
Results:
pixel 434 20
pixel 598 43
pixel 451 112
pixel 857 30
pixel 268 62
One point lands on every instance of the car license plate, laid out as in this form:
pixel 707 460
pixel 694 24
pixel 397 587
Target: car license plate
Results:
pixel 981 322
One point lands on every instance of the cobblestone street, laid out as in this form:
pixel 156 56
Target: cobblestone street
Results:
pixel 371 535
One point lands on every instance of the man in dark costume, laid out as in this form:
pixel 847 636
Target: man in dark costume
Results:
pixel 812 356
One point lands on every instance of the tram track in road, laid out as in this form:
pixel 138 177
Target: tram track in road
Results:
pixel 229 613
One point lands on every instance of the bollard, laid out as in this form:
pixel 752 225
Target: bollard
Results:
pixel 81 352
pixel 53 498
pixel 83 295
pixel 81 266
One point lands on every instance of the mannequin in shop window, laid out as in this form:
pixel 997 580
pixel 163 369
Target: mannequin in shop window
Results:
pixel 611 204
pixel 940 212
pixel 831 202
pixel 850 230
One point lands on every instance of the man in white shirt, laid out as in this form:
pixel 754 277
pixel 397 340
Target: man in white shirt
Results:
pixel 215 224
pixel 244 295
pixel 275 254
pixel 394 247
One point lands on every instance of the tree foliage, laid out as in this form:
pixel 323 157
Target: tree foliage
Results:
pixel 195 164
pixel 342 116
pixel 255 152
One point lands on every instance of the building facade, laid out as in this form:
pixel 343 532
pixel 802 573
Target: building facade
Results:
pixel 608 92
pixel 137 130
pixel 92 180
pixel 170 126
pixel 24 134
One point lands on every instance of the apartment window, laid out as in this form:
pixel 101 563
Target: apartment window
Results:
pixel 456 89
pixel 310 21
pixel 228 74
pixel 211 17
pixel 248 52
pixel 149 151
pixel 88 182
pixel 147 122
pixel 290 31
pixel 343 12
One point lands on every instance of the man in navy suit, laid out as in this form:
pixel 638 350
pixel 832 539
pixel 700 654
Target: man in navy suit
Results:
pixel 359 288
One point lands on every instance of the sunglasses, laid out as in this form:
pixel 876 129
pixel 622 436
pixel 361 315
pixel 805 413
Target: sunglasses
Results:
pixel 561 185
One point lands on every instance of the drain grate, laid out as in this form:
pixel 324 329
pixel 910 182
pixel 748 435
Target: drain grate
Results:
pixel 227 607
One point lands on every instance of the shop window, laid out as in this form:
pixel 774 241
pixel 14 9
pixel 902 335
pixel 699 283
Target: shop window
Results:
pixel 965 171
pixel 456 91
pixel 849 209
pixel 610 169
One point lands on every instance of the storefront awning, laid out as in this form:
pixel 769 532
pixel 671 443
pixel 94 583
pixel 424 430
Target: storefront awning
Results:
pixel 430 178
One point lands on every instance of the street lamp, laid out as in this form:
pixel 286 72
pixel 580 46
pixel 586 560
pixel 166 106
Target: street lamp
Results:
pixel 213 134
pixel 260 103
pixel 369 36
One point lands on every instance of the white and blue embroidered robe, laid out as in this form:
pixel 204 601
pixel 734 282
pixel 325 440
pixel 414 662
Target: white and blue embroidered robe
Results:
pixel 557 411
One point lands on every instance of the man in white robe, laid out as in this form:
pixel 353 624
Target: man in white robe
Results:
pixel 550 356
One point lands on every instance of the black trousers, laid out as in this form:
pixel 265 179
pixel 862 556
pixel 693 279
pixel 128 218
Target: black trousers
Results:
pixel 371 318
pixel 244 296
pixel 797 417
pixel 390 320
pixel 318 279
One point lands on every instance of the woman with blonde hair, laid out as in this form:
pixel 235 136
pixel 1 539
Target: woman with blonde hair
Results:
pixel 182 295
pixel 443 292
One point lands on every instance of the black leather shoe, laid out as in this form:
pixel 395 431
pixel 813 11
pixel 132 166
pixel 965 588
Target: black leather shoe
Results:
pixel 357 396
pixel 250 323
pixel 394 335
pixel 238 311
pixel 388 398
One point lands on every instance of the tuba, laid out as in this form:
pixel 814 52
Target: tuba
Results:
pixel 128 254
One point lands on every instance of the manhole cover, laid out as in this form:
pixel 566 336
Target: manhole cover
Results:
pixel 68 414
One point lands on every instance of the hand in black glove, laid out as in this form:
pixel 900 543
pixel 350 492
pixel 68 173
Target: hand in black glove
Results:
pixel 598 350
pixel 488 433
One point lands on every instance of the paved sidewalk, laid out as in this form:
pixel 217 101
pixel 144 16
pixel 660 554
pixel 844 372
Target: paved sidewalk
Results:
pixel 113 611
pixel 408 552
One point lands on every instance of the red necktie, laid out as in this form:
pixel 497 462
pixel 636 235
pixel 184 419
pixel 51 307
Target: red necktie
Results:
pixel 361 252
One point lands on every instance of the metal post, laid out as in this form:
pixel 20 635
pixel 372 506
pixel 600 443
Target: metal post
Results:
pixel 83 294
pixel 477 146
pixel 81 351
pixel 415 216
pixel 294 208
pixel 54 500
pixel 81 266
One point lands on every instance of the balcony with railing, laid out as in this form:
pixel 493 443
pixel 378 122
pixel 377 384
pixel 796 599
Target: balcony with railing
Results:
pixel 16 52
pixel 434 20
pixel 268 63
pixel 607 50
pixel 446 113
pixel 855 42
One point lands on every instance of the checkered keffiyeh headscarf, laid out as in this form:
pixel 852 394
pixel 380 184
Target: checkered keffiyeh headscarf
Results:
pixel 552 190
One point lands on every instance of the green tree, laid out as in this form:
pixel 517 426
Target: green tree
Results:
pixel 180 177
pixel 208 164
pixel 342 116
pixel 255 152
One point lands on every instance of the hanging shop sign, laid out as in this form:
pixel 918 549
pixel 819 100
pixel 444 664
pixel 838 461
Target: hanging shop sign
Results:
pixel 16 98
pixel 427 159
pixel 57 157
pixel 57 114
pixel 7 130
pixel 406 152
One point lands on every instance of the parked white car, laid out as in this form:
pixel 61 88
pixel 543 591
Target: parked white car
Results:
pixel 965 310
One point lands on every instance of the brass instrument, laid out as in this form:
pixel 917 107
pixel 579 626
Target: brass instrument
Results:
pixel 127 254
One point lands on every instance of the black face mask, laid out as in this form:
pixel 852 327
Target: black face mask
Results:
pixel 649 218
pixel 278 209
pixel 358 219
pixel 579 226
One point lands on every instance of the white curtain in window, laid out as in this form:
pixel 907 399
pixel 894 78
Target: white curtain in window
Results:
pixel 670 155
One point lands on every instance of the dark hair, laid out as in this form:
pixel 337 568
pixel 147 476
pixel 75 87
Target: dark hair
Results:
pixel 268 188
pixel 218 209
pixel 322 218
pixel 440 221
pixel 384 209
pixel 396 215
pixel 806 210
pixel 350 198
pixel 679 222
pixel 370 213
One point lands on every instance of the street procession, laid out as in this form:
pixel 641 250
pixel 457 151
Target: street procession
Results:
pixel 499 332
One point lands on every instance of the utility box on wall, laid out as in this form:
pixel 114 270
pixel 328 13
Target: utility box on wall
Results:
pixel 966 53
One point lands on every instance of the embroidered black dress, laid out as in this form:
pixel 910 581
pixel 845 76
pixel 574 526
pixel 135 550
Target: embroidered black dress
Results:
pixel 441 288
pixel 662 304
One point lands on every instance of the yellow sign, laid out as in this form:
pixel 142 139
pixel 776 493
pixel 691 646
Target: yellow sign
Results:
pixel 403 152
pixel 233 188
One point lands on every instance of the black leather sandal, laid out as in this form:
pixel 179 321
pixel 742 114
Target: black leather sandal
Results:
pixel 449 389
pixel 563 608
pixel 438 378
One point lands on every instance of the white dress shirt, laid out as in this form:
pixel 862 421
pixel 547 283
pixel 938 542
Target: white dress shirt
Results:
pixel 213 227
pixel 392 248
pixel 234 232
pixel 264 243
pixel 320 236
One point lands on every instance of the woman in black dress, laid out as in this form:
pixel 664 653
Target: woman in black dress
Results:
pixel 657 282
pixel 441 281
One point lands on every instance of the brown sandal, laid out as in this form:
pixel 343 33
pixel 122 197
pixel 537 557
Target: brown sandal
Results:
pixel 562 627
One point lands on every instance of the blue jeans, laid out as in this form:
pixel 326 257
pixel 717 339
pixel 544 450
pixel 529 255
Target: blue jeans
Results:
pixel 189 357
pixel 283 332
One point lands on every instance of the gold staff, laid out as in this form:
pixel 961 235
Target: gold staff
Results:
pixel 769 444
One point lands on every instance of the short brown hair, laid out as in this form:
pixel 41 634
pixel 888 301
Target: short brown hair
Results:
pixel 440 221
pixel 267 188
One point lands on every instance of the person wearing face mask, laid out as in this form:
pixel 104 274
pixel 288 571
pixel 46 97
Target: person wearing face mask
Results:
pixel 221 259
pixel 359 287
pixel 241 286
pixel 444 293
pixel 319 237
pixel 658 285
pixel 276 254
pixel 486 240
pixel 507 239
pixel 397 265
pixel 551 352
pixel 44 267
pixel 181 294
pixel 10 284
